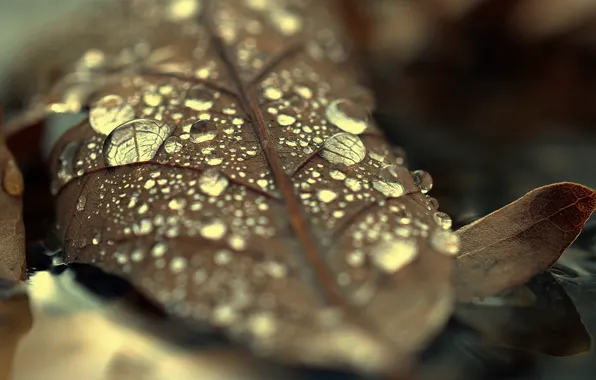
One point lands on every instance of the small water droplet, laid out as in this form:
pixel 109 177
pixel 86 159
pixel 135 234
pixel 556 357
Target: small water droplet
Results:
pixel 337 175
pixel 135 141
pixel 303 91
pixel 212 182
pixel 200 132
pixel 391 256
pixel 152 99
pixel 285 21
pixel 199 98
pixel 110 112
pixel 443 220
pixel 81 202
pixel 347 116
pixel 423 180
pixel 179 10
pixel 344 148
pixel 173 145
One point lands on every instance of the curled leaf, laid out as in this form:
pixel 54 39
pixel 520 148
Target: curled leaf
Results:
pixel 538 316
pixel 248 190
pixel 506 248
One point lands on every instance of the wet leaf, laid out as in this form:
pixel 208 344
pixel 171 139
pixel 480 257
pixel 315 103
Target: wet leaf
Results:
pixel 538 316
pixel 506 248
pixel 12 232
pixel 241 183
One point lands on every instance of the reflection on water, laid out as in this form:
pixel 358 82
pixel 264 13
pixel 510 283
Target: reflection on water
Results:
pixel 76 335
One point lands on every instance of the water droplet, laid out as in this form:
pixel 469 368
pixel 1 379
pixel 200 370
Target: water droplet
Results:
pixel 214 230
pixel 262 325
pixel 286 22
pixel 337 175
pixel 389 189
pixel 135 141
pixel 177 204
pixel 272 93
pixel 81 202
pixel 285 120
pixel 399 173
pixel 353 184
pixel 445 242
pixel 173 145
pixel 199 98
pixel 303 91
pixel 200 132
pixel 423 180
pixel 12 180
pixel 347 116
pixel 443 220
pixel 326 196
pixel 213 183
pixel 159 249
pixel 66 164
pixel 178 264
pixel 152 99
pixel 391 256
pixel 179 10
pixel 110 112
pixel 344 148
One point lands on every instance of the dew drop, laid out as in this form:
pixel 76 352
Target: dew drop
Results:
pixel 272 93
pixel 399 173
pixel 303 91
pixel 179 10
pixel 326 196
pixel 391 256
pixel 285 120
pixel 445 242
pixel 214 230
pixel 159 249
pixel 173 145
pixel 200 132
pixel 212 182
pixel 286 22
pixel 388 188
pixel 347 116
pixel 443 220
pixel 344 148
pixel 81 202
pixel 199 98
pixel 337 175
pixel 135 141
pixel 423 180
pixel 66 164
pixel 152 99
pixel 110 112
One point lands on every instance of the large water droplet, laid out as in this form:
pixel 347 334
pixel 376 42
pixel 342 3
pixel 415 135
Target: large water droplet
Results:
pixel 389 189
pixel 443 220
pixel 285 120
pixel 110 112
pixel 213 183
pixel 173 145
pixel 179 10
pixel 423 180
pixel 135 141
pixel 200 132
pixel 344 148
pixel 66 164
pixel 445 242
pixel 400 174
pixel 199 98
pixel 391 256
pixel 347 116
pixel 326 196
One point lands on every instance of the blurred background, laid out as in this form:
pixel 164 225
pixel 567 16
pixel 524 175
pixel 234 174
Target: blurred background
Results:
pixel 492 97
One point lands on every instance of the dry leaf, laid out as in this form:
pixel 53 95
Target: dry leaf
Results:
pixel 538 316
pixel 12 232
pixel 232 172
pixel 509 246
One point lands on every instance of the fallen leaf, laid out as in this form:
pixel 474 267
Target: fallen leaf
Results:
pixel 538 316
pixel 236 177
pixel 12 232
pixel 509 246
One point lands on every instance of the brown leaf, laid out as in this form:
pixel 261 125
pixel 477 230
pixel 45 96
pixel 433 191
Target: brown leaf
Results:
pixel 506 248
pixel 538 316
pixel 12 232
pixel 233 173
